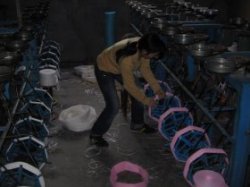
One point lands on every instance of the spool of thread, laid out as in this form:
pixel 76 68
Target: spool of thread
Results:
pixel 48 77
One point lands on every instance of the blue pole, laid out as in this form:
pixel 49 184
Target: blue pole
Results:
pixel 240 147
pixel 109 27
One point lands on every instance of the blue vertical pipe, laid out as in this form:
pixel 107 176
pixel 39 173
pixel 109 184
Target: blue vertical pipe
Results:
pixel 240 148
pixel 191 68
pixel 109 27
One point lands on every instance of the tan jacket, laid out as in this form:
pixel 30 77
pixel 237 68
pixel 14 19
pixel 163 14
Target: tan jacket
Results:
pixel 106 61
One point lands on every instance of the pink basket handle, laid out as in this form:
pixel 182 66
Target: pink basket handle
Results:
pixel 128 166
pixel 171 110
pixel 165 114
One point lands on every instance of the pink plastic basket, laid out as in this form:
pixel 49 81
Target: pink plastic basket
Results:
pixel 168 102
pixel 128 166
pixel 182 144
pixel 169 122
pixel 208 178
pixel 205 159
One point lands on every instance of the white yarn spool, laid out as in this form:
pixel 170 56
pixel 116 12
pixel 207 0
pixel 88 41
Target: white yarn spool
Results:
pixel 48 77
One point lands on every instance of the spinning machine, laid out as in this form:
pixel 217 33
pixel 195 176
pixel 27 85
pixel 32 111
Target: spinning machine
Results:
pixel 26 106
pixel 205 117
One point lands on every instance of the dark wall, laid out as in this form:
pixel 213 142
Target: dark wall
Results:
pixel 8 10
pixel 80 26
pixel 241 8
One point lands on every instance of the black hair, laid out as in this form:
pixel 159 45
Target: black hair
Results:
pixel 128 50
pixel 150 42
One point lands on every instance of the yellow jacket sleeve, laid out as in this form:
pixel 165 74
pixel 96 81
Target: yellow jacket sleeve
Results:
pixel 127 69
pixel 150 78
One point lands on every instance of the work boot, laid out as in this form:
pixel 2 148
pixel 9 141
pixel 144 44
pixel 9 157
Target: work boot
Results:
pixel 98 141
pixel 142 128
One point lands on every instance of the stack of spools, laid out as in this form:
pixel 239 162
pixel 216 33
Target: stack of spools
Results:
pixel 204 166
pixel 49 65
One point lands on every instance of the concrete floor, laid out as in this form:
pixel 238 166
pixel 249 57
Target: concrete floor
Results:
pixel 74 163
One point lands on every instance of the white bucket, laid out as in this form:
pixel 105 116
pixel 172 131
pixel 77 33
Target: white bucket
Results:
pixel 48 77
pixel 78 118
pixel 86 72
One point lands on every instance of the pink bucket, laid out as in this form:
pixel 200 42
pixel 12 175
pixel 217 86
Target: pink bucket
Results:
pixel 178 136
pixel 128 166
pixel 208 178
pixel 168 113
pixel 195 156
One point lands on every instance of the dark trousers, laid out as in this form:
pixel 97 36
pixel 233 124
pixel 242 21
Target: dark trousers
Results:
pixel 137 109
pixel 106 82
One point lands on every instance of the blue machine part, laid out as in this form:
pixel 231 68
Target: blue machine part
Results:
pixel 240 151
pixel 5 30
pixel 173 120
pixel 6 91
pixel 163 105
pixel 27 59
pixel 38 94
pixel 150 93
pixel 210 97
pixel 187 141
pixel 33 49
pixel 36 109
pixel 31 126
pixel 205 159
pixel 30 60
pixel 32 80
pixel 27 149
pixel 20 174
pixel 23 74
pixel 191 68
pixel 7 22
pixel 159 72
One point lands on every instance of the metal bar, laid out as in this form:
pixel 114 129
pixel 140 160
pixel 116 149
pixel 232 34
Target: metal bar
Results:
pixel 203 109
pixel 136 29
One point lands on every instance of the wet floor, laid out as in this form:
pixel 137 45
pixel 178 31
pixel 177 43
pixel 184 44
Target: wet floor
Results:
pixel 74 163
